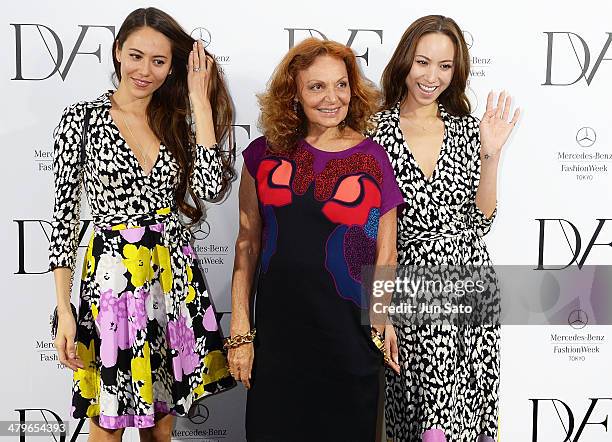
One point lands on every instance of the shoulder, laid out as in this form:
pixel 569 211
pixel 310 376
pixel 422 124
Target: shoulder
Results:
pixel 383 116
pixel 374 149
pixel 77 110
pixel 253 154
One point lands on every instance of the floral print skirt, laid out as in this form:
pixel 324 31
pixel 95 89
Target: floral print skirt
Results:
pixel 147 332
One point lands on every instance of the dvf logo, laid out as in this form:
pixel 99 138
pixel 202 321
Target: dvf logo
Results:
pixel 353 34
pixel 569 233
pixel 569 423
pixel 578 60
pixel 43 41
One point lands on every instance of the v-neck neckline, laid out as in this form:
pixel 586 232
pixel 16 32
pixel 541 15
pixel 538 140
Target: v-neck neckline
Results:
pixel 132 153
pixel 415 163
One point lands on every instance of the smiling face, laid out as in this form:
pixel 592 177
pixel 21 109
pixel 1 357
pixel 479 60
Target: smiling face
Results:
pixel 324 92
pixel 432 68
pixel 146 59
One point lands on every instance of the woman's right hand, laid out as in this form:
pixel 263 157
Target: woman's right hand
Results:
pixel 391 348
pixel 240 361
pixel 64 341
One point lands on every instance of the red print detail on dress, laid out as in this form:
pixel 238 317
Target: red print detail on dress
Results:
pixel 273 182
pixel 337 168
pixel 355 196
pixel 305 170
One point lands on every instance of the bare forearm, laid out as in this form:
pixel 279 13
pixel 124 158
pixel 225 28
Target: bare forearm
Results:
pixel 61 275
pixel 486 195
pixel 247 254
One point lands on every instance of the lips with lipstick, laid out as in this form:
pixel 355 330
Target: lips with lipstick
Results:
pixel 142 84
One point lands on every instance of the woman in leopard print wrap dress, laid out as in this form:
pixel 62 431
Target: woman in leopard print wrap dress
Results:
pixel 446 163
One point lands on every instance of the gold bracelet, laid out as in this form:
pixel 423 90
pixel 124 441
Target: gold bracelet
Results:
pixel 379 341
pixel 238 340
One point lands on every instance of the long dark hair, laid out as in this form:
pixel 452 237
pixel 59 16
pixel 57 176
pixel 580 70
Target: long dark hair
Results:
pixel 393 80
pixel 169 110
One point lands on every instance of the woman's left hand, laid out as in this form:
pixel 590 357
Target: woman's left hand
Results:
pixel 494 126
pixel 199 68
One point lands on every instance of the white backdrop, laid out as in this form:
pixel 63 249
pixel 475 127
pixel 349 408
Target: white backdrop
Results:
pixel 536 50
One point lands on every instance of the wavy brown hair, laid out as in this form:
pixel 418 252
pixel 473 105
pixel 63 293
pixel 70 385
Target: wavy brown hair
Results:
pixel 283 124
pixel 169 111
pixel 393 80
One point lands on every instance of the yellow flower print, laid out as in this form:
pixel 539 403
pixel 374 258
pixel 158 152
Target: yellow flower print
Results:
pixel 138 262
pixel 215 361
pixel 190 290
pixel 89 261
pixel 88 377
pixel 141 371
pixel 161 257
pixel 217 367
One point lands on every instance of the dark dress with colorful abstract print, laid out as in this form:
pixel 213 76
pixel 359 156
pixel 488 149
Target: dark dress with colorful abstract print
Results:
pixel 316 370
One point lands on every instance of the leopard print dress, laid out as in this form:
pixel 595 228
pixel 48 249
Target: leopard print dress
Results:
pixel 449 374
pixel 147 332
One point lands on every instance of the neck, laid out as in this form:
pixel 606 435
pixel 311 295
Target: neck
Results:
pixel 128 103
pixel 411 109
pixel 319 134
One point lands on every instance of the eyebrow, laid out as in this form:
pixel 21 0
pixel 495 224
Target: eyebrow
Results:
pixel 429 59
pixel 140 52
pixel 345 77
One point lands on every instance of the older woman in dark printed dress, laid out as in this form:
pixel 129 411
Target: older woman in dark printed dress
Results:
pixel 446 164
pixel 317 202
pixel 147 341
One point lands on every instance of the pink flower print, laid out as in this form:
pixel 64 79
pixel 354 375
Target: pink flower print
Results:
pixel 137 313
pixel 182 340
pixel 209 321
pixel 112 323
pixel 188 251
pixel 133 234
pixel 159 227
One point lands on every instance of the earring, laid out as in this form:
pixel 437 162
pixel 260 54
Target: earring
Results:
pixel 295 105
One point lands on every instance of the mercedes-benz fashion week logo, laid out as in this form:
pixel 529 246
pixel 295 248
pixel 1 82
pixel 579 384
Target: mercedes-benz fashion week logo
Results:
pixel 202 231
pixel 198 414
pixel 586 137
pixel 578 319
pixel 202 34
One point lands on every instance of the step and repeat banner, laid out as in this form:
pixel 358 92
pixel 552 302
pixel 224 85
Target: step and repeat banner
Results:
pixel 555 199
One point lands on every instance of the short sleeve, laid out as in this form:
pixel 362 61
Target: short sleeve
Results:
pixel 253 154
pixel 391 193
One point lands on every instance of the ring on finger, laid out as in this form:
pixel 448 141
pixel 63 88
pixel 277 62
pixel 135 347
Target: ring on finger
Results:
pixel 196 69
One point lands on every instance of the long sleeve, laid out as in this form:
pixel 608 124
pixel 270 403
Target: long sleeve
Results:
pixel 481 223
pixel 66 170
pixel 207 176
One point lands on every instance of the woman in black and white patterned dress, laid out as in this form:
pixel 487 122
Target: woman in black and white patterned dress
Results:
pixel 147 340
pixel 446 164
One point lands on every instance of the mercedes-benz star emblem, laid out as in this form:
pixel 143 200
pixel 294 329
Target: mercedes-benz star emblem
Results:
pixel 469 39
pixel 202 231
pixel 578 319
pixel 586 137
pixel 202 34
pixel 198 414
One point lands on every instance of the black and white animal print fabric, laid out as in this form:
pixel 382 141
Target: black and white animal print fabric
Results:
pixel 449 373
